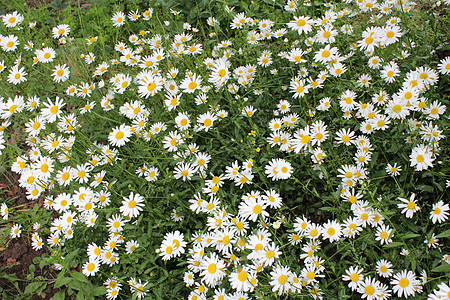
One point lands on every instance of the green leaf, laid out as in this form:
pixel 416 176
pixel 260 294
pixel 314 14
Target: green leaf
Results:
pixel 59 279
pixel 62 281
pixel 393 245
pixel 329 208
pixel 32 268
pixel 80 296
pixel 99 291
pixel 60 295
pixel 425 188
pixel 33 287
pixel 410 236
pixel 71 255
pixel 444 268
pixel 78 276
pixel 443 234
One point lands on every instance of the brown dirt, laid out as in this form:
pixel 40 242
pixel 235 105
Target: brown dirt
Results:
pixel 16 259
pixel 16 255
pixel 37 3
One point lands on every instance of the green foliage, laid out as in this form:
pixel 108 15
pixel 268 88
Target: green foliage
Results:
pixel 242 139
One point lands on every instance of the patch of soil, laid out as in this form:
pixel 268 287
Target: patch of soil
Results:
pixel 37 3
pixel 16 259
pixel 16 255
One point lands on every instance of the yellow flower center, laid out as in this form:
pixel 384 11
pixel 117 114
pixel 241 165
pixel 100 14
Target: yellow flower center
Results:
pixel 369 290
pixel 257 209
pixel 212 268
pixel 192 85
pixel 282 279
pixel 397 108
pixel 242 276
pixel 119 135
pixel 403 282
pixel 90 267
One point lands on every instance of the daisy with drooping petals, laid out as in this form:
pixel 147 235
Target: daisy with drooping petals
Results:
pixel 409 206
pixel 4 211
pixel 131 246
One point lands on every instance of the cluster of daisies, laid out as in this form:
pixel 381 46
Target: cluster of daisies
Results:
pixel 168 91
